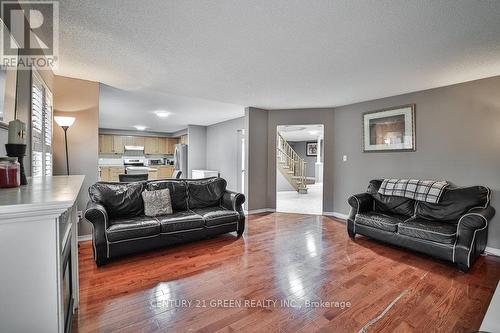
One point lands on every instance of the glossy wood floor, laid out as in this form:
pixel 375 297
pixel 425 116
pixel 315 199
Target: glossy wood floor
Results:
pixel 291 259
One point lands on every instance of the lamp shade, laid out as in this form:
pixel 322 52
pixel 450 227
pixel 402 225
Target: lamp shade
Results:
pixel 64 121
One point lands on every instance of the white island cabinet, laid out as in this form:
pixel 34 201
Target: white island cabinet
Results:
pixel 39 255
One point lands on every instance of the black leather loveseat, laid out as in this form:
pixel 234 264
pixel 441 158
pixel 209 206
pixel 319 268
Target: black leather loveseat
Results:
pixel 201 208
pixel 455 229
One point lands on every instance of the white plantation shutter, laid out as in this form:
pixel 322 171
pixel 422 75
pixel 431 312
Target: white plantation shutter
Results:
pixel 41 128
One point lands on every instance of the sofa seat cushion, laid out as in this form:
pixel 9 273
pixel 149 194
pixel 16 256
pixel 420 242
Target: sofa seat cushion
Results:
pixel 382 221
pixel 180 221
pixel 131 228
pixel 444 232
pixel 215 216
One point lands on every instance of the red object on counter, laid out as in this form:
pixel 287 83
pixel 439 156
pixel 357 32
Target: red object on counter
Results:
pixel 9 173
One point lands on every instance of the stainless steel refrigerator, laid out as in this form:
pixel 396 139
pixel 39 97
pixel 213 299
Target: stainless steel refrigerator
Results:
pixel 180 159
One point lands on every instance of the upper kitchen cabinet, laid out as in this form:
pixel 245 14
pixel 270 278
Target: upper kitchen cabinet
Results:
pixel 171 142
pixel 151 145
pixel 133 141
pixel 184 139
pixel 118 144
pixel 163 146
pixel 110 144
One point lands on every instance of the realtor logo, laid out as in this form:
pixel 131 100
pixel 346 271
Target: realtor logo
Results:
pixel 30 33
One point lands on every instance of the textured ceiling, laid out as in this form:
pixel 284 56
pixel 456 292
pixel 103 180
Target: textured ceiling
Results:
pixel 279 53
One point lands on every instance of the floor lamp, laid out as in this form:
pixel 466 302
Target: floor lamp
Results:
pixel 65 123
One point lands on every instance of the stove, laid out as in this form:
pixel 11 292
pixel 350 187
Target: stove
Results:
pixel 135 165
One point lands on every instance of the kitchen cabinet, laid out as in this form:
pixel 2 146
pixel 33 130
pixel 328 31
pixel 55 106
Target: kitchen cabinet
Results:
pixel 114 144
pixel 163 146
pixel 184 139
pixel 118 144
pixel 110 173
pixel 105 144
pixel 133 140
pixel 165 171
pixel 153 173
pixel 151 145
pixel 110 144
pixel 167 145
pixel 171 142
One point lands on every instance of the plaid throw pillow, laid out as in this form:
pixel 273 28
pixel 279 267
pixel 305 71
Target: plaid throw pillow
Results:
pixel 420 190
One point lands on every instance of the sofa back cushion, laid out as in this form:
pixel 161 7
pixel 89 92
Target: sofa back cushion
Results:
pixel 177 189
pixel 205 192
pixel 119 199
pixel 454 203
pixel 390 204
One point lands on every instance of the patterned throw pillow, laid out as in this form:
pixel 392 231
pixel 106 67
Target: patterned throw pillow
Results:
pixel 157 202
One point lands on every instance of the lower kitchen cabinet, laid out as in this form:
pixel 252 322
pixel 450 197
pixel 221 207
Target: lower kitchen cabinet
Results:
pixel 110 173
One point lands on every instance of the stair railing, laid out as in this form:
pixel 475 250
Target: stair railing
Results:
pixel 289 157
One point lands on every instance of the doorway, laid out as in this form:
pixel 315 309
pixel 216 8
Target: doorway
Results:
pixel 299 169
pixel 240 161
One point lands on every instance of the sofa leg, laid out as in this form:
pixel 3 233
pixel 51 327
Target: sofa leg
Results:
pixel 100 262
pixel 351 234
pixel 239 234
pixel 463 268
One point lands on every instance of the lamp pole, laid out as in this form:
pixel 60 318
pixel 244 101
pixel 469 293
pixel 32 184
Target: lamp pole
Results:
pixel 65 128
pixel 65 123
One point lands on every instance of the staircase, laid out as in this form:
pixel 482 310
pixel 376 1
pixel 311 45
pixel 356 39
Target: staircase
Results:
pixel 291 165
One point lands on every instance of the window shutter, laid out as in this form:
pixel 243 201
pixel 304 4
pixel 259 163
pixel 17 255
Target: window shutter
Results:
pixel 41 127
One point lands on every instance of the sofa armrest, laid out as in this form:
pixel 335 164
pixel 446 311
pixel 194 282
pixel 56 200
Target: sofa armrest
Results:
pixel 476 218
pixel 233 201
pixel 471 235
pixel 360 203
pixel 97 215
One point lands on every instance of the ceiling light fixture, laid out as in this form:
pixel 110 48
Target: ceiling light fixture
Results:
pixel 162 114
pixel 140 127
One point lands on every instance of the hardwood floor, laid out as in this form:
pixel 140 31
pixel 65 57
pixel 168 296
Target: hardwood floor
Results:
pixel 283 257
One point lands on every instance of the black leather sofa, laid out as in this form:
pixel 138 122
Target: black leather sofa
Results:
pixel 455 229
pixel 202 208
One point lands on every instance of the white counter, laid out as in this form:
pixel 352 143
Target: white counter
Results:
pixel 42 196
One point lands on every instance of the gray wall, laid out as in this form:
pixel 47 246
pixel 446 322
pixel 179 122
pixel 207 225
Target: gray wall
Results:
pixel 222 149
pixel 458 139
pixel 322 116
pixel 261 144
pixel 197 157
pixel 256 123
pixel 79 99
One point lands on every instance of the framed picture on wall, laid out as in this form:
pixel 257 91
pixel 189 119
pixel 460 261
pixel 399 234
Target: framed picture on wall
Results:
pixel 312 149
pixel 390 129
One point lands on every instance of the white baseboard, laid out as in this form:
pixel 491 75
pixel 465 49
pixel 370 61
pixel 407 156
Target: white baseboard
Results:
pixel 258 211
pixel 337 215
pixel 83 238
pixel 492 251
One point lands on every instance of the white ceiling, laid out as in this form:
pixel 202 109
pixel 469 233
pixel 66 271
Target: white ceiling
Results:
pixel 301 132
pixel 119 109
pixel 277 53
